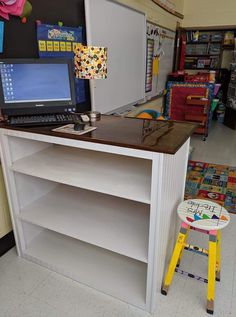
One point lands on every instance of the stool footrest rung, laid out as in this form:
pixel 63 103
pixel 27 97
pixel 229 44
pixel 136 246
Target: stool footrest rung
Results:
pixel 195 249
pixel 190 275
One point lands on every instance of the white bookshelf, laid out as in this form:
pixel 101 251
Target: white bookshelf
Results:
pixel 112 223
pixel 102 215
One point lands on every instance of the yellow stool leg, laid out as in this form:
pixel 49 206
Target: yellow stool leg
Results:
pixel 211 271
pixel 181 253
pixel 175 256
pixel 218 256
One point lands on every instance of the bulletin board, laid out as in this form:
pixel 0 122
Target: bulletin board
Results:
pixel 160 56
pixel 177 93
pixel 20 40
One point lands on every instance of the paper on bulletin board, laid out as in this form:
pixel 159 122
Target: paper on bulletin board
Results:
pixel 1 35
pixel 58 42
pixel 155 66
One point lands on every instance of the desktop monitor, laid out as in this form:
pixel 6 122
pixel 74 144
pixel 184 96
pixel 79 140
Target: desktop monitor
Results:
pixel 36 86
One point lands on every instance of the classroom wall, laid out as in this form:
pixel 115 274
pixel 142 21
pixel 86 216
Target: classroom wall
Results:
pixel 202 13
pixel 159 16
pixel 155 13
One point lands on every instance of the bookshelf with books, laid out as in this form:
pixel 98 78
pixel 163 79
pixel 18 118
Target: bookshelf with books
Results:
pixel 203 49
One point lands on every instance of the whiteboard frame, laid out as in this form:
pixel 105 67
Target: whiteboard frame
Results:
pixel 92 82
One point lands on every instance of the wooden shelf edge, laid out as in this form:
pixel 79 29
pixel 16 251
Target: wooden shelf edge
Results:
pixel 169 10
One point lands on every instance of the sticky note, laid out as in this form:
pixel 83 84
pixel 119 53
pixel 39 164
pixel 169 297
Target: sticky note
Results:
pixel 56 46
pixel 42 46
pixel 62 46
pixel 155 66
pixel 49 46
pixel 68 47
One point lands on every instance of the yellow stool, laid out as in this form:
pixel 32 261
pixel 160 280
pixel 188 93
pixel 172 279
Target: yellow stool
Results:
pixel 207 217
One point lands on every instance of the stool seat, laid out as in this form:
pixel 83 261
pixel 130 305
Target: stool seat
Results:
pixel 203 214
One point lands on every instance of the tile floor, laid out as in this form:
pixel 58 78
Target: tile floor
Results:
pixel 28 290
pixel 219 147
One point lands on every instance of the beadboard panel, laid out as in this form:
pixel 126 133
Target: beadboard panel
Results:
pixel 172 192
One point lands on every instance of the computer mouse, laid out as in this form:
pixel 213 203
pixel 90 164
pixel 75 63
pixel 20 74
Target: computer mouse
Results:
pixel 79 126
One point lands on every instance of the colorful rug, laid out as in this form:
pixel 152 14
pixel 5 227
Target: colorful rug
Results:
pixel 212 181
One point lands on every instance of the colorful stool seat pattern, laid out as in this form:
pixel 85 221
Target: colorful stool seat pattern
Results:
pixel 206 217
pixel 203 214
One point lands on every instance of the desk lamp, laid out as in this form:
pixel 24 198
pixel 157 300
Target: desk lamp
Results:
pixel 90 63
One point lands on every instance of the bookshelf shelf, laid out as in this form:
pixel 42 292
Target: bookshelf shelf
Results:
pixel 84 219
pixel 98 268
pixel 201 55
pixel 204 42
pixel 60 164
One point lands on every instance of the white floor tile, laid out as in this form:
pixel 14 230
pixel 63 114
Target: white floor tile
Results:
pixel 219 147
pixel 21 274
pixel 36 308
pixel 79 300
pixel 10 299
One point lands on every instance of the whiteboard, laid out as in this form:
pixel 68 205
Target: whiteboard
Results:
pixel 123 31
pixel 159 59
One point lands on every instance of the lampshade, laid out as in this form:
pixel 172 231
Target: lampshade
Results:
pixel 90 62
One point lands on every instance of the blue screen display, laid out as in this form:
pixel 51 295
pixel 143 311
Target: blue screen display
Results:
pixel 35 82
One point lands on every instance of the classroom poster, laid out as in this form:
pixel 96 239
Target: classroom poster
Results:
pixel 58 42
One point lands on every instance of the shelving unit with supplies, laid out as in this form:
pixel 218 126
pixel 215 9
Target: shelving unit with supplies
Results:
pixel 102 215
pixel 204 48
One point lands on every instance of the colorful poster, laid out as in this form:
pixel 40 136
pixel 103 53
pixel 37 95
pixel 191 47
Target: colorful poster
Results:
pixel 58 42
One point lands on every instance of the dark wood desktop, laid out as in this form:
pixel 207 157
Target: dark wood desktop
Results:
pixel 150 135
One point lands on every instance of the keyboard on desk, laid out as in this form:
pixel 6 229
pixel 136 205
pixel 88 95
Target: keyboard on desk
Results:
pixel 47 119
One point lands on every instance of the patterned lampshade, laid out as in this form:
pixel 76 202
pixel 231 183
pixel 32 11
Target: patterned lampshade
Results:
pixel 90 62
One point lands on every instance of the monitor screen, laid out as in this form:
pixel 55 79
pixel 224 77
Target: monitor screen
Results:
pixel 36 86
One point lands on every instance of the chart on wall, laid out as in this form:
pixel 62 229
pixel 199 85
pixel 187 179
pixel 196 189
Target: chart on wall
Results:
pixel 160 54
